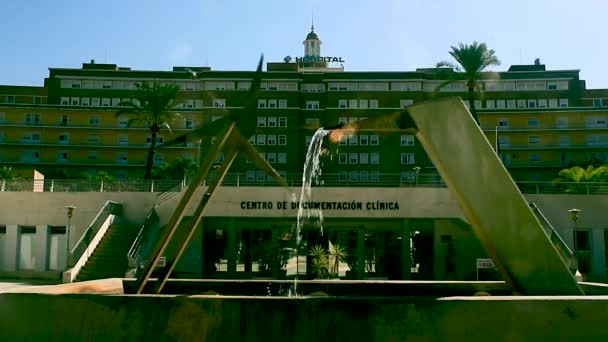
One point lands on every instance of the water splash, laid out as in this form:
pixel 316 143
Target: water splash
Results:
pixel 311 173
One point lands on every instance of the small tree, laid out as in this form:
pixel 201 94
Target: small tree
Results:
pixel 471 61
pixel 6 172
pixel 151 105
pixel 577 174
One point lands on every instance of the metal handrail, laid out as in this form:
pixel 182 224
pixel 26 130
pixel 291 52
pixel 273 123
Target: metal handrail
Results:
pixel 556 239
pixel 109 208
pixel 169 187
pixel 133 253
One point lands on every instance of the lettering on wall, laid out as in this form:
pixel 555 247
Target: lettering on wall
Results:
pixel 321 205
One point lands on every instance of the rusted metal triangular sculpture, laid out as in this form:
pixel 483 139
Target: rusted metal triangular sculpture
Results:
pixel 499 214
pixel 233 132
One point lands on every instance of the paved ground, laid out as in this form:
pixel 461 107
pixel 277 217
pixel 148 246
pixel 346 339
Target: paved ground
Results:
pixel 9 285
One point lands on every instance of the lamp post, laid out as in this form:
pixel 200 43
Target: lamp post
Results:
pixel 70 213
pixel 417 171
pixel 574 214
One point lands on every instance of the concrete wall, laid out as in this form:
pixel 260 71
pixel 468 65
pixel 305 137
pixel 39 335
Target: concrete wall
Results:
pixel 38 317
pixel 44 209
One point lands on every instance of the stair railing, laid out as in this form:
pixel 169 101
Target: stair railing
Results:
pixel 91 238
pixel 134 255
pixel 563 249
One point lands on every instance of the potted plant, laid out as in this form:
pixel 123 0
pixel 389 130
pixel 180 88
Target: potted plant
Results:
pixel 320 262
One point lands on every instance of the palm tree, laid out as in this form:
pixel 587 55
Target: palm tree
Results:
pixel 472 61
pixel 577 174
pixel 151 105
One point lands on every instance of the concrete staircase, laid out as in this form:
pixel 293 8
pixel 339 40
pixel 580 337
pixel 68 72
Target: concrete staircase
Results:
pixel 109 259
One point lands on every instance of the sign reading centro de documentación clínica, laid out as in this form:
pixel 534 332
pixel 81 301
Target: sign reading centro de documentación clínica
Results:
pixel 320 205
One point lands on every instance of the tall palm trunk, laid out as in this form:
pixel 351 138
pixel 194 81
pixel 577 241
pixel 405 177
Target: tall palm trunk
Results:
pixel 150 157
pixel 471 87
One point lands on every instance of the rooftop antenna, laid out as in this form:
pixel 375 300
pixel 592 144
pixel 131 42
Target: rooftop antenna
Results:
pixel 312 21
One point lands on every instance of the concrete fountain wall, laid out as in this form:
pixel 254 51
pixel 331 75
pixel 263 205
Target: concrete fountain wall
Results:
pixel 82 317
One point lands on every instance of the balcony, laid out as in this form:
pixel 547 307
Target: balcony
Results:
pixel 551 146
pixel 555 127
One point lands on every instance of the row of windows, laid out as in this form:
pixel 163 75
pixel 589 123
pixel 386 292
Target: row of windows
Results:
pixel 591 121
pixel 273 157
pixel 93 120
pixel 563 140
pixel 358 104
pixel 11 99
pixel 523 103
pixel 272 103
pixel 320 87
pixel 33 156
pixel 92 139
pixel 270 139
pixel 261 176
pixel 117 102
pixel 272 121
pixel 359 176
pixel 359 158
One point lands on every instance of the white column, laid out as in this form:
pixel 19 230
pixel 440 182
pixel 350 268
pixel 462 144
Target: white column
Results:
pixel 11 247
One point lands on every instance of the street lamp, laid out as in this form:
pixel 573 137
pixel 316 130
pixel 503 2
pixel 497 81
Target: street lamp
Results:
pixel 574 213
pixel 417 171
pixel 70 213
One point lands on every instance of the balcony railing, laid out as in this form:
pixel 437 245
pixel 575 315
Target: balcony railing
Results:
pixel 545 127
pixel 544 146
pixel 293 180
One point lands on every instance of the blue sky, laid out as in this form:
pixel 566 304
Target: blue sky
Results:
pixel 387 35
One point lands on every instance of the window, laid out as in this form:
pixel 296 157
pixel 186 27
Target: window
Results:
pixel 342 176
pixel 374 140
pixel 261 103
pixel 282 103
pixel 62 157
pixel 407 158
pixel 313 105
pixel 564 140
pixel 596 140
pixel 94 121
pixel 552 103
pixel 122 158
pixel 373 104
pixel 32 119
pixel 262 121
pixel 533 139
pixel 271 140
pixel 158 158
pixel 597 102
pixel 408 176
pixel 219 103
pixel 595 121
pixel 534 157
pixel 342 104
pixel 282 158
pixel 313 88
pixel 363 176
pixel 123 140
pixel 503 123
pixel 374 158
pixel 95 102
pixel 374 176
pixel 272 121
pixel 353 176
pixel 561 122
pixel 282 122
pixel 542 103
pixel 282 139
pixel 10 98
pixel 533 122
pixel 188 123
pixel 490 104
pixel 123 121
pixel 312 123
pixel 353 103
pixel 30 156
pixel 510 104
pixel 93 139
pixel 307 140
pixel 159 140
pixel 353 158
pixel 521 103
pixel 363 140
pixel 272 103
pixel 407 140
pixel 31 138
pixel 271 157
pixel 501 104
pixel 64 138
pixel 342 158
pixel 353 140
pixel 403 103
pixel 105 102
pixel 107 84
pixel 363 158
pixel 261 139
pixel 563 102
pixel 85 101
pixel 532 104
pixel 92 155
